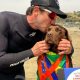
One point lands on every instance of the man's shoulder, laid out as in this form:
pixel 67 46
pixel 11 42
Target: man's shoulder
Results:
pixel 8 13
pixel 10 19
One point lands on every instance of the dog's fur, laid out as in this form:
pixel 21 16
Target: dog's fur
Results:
pixel 54 35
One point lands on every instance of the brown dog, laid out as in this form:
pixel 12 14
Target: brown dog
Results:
pixel 54 35
pixel 48 63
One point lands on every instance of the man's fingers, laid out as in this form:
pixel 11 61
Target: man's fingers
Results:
pixel 62 52
pixel 43 44
pixel 64 41
pixel 40 48
pixel 65 46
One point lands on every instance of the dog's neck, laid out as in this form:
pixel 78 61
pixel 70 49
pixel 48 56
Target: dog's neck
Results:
pixel 53 48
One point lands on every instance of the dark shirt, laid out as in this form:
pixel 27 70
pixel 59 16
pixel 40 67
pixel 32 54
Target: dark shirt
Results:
pixel 16 41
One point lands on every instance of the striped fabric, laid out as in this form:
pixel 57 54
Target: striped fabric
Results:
pixel 49 63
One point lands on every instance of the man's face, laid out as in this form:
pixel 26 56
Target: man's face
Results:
pixel 44 20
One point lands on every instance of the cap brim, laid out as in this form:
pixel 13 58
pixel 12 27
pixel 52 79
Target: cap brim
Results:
pixel 58 12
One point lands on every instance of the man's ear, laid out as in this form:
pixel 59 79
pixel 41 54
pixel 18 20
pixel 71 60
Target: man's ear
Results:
pixel 36 10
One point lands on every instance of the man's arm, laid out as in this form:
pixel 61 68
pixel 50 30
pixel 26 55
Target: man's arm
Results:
pixel 12 59
pixel 6 59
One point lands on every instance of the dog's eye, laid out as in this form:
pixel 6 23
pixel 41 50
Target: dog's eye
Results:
pixel 60 32
pixel 56 29
pixel 49 29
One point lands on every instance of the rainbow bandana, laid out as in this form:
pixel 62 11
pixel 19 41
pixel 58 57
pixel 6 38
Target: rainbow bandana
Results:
pixel 49 63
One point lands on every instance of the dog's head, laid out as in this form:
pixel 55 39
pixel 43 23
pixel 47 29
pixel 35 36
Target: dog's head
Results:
pixel 54 35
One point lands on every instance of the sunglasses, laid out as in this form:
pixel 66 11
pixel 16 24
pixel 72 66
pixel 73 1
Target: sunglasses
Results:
pixel 51 15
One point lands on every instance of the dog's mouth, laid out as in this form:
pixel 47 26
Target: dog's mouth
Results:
pixel 51 40
pixel 48 40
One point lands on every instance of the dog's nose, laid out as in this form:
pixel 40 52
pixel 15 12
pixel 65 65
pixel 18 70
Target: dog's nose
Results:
pixel 49 34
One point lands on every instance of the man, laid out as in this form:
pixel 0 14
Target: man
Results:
pixel 21 37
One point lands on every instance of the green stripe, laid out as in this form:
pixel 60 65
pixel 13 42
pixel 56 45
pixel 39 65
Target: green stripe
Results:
pixel 52 56
pixel 63 61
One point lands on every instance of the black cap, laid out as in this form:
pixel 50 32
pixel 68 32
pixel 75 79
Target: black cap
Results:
pixel 51 5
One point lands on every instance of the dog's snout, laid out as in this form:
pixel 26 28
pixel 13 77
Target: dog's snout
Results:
pixel 49 34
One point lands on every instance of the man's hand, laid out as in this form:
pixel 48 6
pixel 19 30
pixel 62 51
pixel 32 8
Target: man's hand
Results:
pixel 65 47
pixel 40 48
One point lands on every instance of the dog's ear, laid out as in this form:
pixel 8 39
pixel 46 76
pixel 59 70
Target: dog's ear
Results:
pixel 67 35
pixel 64 33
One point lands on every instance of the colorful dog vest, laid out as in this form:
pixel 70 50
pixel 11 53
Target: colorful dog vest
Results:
pixel 49 63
